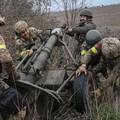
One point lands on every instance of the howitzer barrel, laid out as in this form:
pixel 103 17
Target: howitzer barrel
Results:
pixel 40 61
pixel 45 53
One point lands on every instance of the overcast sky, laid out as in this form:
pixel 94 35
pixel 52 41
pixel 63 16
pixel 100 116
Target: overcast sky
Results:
pixel 90 3
pixel 103 2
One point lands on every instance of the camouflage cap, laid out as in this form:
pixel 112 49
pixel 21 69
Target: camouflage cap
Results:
pixel 2 20
pixel 111 47
pixel 20 26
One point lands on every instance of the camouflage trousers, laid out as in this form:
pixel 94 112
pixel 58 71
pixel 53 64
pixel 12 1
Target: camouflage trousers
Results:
pixel 113 78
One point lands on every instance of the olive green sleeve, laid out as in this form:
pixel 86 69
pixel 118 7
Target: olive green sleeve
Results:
pixel 83 29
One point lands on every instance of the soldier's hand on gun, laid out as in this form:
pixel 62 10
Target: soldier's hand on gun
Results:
pixel 81 69
pixel 64 27
pixel 30 52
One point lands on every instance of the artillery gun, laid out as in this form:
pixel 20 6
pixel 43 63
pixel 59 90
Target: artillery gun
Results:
pixel 42 88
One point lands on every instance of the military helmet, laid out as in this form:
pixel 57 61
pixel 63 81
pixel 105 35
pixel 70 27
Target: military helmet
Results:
pixel 86 12
pixel 92 37
pixel 20 26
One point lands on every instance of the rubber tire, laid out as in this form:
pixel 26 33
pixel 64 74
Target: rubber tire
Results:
pixel 81 93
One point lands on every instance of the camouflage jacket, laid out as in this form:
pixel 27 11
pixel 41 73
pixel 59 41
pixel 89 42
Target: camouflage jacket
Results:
pixel 105 61
pixel 6 67
pixel 81 29
pixel 32 43
pixel 84 48
pixel 84 51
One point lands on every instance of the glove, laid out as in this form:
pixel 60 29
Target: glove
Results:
pixel 81 69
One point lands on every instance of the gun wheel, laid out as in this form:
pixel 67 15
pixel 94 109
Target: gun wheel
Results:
pixel 83 99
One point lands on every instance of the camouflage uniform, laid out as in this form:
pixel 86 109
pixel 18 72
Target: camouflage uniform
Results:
pixel 94 63
pixel 6 67
pixel 92 37
pixel 9 97
pixel 84 50
pixel 5 60
pixel 35 39
pixel 110 56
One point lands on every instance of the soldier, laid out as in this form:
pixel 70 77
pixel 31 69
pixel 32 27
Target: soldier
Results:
pixel 92 37
pixel 27 39
pixel 82 28
pixel 5 57
pixel 11 100
pixel 110 54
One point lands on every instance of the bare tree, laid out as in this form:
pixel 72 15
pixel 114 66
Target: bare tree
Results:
pixel 42 9
pixel 41 6
pixel 15 9
pixel 71 9
pixel 35 12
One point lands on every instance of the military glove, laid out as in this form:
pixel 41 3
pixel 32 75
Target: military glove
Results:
pixel 81 69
